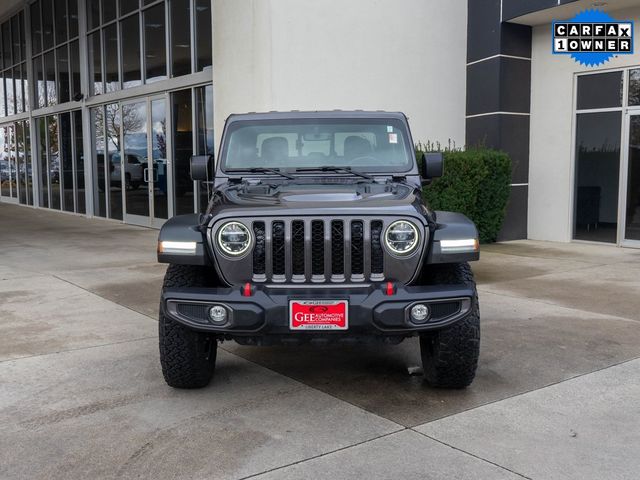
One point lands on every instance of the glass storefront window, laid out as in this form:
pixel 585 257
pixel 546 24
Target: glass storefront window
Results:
pixel 111 71
pixel 47 25
pixel 181 37
pixel 597 176
pixel 2 98
pixel 66 162
pixel 50 78
pixel 113 125
pixel 601 90
pixel 131 73
pixel 97 122
pixel 60 9
pixel 79 161
pixel 36 29
pixel 204 136
pixel 40 92
pixel 203 34
pixel 182 150
pixel 43 166
pixel 95 63
pixel 155 52
pixel 62 59
pixel 54 161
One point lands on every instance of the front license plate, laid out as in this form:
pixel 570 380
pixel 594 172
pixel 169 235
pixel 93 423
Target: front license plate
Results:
pixel 318 315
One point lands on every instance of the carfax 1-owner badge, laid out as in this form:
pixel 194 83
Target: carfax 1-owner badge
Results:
pixel 592 37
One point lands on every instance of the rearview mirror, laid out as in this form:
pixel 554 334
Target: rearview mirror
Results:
pixel 202 168
pixel 432 165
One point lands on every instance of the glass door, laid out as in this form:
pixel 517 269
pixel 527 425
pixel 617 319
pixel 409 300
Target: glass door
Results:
pixel 143 161
pixel 630 179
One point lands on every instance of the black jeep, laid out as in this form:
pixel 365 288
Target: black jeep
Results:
pixel 316 231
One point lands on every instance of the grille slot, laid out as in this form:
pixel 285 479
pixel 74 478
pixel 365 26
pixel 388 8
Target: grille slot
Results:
pixel 259 260
pixel 278 248
pixel 337 247
pixel 377 254
pixel 317 247
pixel 297 247
pixel 357 247
pixel 318 250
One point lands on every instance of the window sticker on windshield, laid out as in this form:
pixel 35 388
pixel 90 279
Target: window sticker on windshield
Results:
pixel 393 138
pixel 389 129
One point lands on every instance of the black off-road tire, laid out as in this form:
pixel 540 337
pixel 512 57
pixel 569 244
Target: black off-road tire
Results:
pixel 450 355
pixel 187 357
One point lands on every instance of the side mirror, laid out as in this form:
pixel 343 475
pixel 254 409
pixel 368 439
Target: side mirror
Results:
pixel 432 165
pixel 202 168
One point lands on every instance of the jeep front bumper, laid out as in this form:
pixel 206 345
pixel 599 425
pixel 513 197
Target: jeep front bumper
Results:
pixel 372 309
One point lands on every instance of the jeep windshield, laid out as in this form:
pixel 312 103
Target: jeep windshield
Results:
pixel 317 145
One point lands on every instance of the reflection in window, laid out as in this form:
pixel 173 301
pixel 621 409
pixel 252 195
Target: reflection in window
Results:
pixel 634 87
pixel 114 180
pixel 159 156
pixel 66 163
pixel 54 161
pixel 17 75
pixel 2 98
pixel 97 122
pixel 204 138
pixel 38 72
pixel 50 78
pixel 597 170
pixel 63 73
pixel 154 44
pixel 79 161
pixel 8 87
pixel 632 214
pixel 44 170
pixel 182 150
pixel 95 63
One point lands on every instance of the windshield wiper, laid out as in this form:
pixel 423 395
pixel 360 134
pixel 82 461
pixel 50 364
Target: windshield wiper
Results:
pixel 260 170
pixel 328 168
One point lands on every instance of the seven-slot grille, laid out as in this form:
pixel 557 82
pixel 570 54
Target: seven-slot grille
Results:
pixel 318 250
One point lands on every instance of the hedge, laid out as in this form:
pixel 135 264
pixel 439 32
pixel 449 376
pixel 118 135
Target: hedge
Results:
pixel 476 182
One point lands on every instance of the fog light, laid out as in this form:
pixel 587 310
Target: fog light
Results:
pixel 419 313
pixel 218 314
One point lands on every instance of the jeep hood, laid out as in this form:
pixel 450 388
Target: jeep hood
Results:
pixel 300 197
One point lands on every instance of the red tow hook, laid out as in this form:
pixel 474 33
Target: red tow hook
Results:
pixel 246 290
pixel 390 289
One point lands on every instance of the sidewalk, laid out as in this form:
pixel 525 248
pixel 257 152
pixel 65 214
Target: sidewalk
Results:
pixel 81 393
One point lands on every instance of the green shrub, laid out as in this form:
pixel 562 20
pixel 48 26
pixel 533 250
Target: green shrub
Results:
pixel 476 183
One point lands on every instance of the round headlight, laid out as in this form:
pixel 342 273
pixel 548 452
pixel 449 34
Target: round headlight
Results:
pixel 401 237
pixel 234 238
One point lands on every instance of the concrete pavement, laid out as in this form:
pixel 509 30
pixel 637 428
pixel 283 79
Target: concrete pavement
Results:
pixel 81 393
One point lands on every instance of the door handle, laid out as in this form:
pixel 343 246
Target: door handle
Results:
pixel 145 175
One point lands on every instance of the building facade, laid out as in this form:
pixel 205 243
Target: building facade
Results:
pixel 102 102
